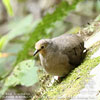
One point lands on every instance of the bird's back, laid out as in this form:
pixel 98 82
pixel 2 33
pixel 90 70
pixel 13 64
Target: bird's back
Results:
pixel 70 45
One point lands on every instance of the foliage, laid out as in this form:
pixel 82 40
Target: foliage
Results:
pixel 3 42
pixel 25 73
pixel 46 23
pixel 98 5
pixel 8 7
pixel 19 28
pixel 22 71
pixel 21 0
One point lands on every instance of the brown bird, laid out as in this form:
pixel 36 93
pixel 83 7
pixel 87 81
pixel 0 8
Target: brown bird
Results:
pixel 60 55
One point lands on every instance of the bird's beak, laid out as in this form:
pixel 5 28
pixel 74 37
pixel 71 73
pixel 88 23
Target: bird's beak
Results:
pixel 36 51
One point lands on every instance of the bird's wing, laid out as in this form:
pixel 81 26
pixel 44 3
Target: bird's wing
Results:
pixel 70 45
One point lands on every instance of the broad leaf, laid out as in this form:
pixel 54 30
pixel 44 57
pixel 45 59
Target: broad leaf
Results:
pixel 25 73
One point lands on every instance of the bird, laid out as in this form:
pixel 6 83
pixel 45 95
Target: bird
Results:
pixel 61 54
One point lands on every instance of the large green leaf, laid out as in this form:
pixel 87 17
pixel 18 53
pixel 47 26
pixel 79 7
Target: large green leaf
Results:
pixel 23 26
pixel 25 73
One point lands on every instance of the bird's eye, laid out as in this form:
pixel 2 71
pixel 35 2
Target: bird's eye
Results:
pixel 42 47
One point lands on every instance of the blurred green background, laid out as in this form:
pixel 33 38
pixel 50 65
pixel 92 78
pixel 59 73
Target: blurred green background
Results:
pixel 22 24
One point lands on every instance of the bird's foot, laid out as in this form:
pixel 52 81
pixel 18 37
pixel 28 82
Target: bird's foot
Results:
pixel 56 80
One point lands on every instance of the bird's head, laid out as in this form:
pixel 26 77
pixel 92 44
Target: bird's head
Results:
pixel 41 46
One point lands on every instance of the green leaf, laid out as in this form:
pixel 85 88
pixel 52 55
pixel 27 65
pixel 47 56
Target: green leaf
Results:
pixel 8 7
pixel 28 73
pixel 3 41
pixel 23 26
pixel 97 5
pixel 25 73
pixel 6 61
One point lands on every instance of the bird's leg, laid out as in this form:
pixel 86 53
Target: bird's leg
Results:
pixel 60 79
pixel 57 79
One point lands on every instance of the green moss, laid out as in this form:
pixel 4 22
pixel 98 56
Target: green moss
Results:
pixel 76 80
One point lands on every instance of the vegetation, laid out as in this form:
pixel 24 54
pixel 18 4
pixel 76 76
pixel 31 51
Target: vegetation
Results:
pixel 41 29
pixel 26 68
pixel 76 80
pixel 17 65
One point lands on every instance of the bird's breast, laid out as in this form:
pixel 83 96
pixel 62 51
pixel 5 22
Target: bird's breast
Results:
pixel 48 62
pixel 55 64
